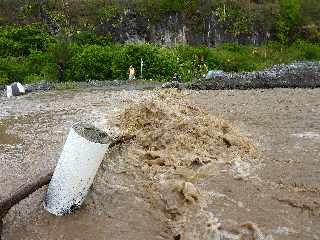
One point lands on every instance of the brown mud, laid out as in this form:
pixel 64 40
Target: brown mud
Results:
pixel 140 193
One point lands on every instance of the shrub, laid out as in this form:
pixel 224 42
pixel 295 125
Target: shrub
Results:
pixel 4 80
pixel 33 78
pixel 13 68
pixel 193 61
pixel 164 65
pixel 92 62
pixel 9 47
pixel 62 51
pixel 306 50
pixel 21 40
pixel 69 59
pixel 36 66
pixel 288 19
pixel 152 56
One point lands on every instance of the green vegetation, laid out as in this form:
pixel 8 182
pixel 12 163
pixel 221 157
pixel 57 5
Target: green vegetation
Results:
pixel 21 40
pixel 69 59
pixel 60 40
pixel 288 19
pixel 283 19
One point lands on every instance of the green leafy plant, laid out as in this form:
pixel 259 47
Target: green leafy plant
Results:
pixel 21 40
pixel 288 19
pixel 91 62
pixel 4 80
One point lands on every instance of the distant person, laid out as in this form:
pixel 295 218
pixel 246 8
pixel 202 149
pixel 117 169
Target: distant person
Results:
pixel 131 73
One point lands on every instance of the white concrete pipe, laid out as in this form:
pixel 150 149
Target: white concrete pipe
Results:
pixel 78 164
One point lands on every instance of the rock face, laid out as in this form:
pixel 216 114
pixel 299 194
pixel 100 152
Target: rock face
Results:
pixel 176 28
pixel 296 75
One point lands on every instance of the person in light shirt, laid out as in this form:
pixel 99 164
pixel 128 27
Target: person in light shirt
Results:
pixel 131 73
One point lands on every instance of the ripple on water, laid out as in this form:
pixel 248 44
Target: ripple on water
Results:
pixel 308 135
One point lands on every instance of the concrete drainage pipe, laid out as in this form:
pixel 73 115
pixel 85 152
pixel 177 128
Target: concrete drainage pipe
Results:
pixel 81 157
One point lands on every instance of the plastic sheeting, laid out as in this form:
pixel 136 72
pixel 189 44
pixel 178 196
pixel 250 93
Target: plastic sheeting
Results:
pixel 15 89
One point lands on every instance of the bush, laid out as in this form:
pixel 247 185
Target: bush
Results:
pixel 306 50
pixel 13 68
pixel 28 69
pixel 33 78
pixel 4 80
pixel 92 62
pixel 62 51
pixel 288 20
pixel 37 61
pixel 193 61
pixel 21 40
pixel 9 47
pixel 167 64
pixel 158 62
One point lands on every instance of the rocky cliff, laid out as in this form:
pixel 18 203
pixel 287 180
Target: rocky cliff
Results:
pixel 170 22
pixel 176 28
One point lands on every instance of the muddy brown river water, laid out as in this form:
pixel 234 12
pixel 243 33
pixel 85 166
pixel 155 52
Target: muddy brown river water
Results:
pixel 283 197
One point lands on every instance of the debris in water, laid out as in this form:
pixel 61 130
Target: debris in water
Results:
pixel 255 232
pixel 171 132
pixel 190 192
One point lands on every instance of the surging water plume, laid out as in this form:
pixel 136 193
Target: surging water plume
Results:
pixel 173 148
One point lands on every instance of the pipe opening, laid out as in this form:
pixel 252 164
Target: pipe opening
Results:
pixel 92 133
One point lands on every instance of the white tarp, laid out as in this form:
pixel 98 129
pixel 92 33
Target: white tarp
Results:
pixel 15 89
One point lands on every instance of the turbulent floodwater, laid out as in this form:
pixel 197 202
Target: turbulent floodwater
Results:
pixel 282 197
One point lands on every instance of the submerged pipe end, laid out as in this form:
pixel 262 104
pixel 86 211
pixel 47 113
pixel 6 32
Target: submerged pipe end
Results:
pixel 92 134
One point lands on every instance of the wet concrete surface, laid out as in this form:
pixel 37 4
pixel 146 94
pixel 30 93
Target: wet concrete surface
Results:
pixel 284 197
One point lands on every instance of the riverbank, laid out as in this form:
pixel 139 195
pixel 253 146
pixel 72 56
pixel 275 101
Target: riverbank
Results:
pixel 115 85
pixel 295 75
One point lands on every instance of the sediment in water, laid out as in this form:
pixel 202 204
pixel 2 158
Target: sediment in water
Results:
pixel 173 147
